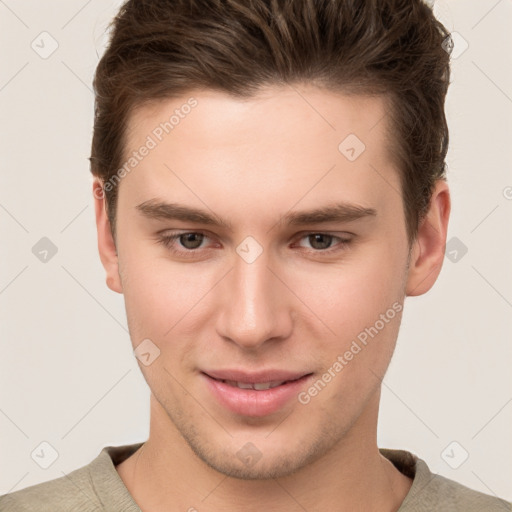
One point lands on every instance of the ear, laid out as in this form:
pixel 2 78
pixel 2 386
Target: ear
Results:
pixel 427 254
pixel 106 244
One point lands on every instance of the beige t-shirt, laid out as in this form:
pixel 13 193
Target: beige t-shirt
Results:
pixel 98 487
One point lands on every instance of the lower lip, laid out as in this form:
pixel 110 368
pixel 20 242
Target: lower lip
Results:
pixel 250 402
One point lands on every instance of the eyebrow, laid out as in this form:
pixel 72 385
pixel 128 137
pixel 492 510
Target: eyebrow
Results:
pixel 337 212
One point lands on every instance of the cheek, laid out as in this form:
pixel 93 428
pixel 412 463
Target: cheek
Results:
pixel 336 301
pixel 161 296
pixel 364 311
pixel 370 331
pixel 351 295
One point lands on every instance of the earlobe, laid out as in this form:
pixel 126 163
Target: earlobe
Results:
pixel 427 255
pixel 106 245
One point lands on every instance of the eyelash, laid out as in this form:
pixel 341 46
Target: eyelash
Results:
pixel 167 241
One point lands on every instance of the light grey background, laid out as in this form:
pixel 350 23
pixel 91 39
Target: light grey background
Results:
pixel 67 373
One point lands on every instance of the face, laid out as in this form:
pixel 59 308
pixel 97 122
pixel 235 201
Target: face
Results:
pixel 256 288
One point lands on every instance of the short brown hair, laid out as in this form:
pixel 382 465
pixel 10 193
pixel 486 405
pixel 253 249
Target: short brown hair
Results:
pixel 160 49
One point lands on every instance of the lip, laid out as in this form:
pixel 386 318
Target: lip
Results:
pixel 256 377
pixel 251 402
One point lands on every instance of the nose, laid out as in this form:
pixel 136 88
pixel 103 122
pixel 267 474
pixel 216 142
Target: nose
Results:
pixel 255 306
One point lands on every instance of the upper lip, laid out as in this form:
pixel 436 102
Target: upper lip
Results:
pixel 255 377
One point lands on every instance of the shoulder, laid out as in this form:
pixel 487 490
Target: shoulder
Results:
pixel 70 492
pixel 91 488
pixel 431 491
pixel 448 495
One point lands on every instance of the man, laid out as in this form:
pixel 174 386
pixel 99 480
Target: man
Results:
pixel 269 187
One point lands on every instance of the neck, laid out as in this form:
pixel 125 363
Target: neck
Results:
pixel 166 475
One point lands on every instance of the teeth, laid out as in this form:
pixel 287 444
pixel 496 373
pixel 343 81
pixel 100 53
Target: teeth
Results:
pixel 241 385
pixel 259 386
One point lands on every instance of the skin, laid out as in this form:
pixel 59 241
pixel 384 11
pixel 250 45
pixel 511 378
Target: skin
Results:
pixel 250 162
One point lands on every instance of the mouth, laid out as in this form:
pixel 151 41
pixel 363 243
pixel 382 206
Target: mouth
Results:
pixel 258 386
pixel 255 394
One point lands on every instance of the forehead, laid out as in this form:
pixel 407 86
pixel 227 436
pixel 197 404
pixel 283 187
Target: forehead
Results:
pixel 291 143
pixel 290 111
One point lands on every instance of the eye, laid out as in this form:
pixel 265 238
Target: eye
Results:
pixel 323 242
pixel 189 243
